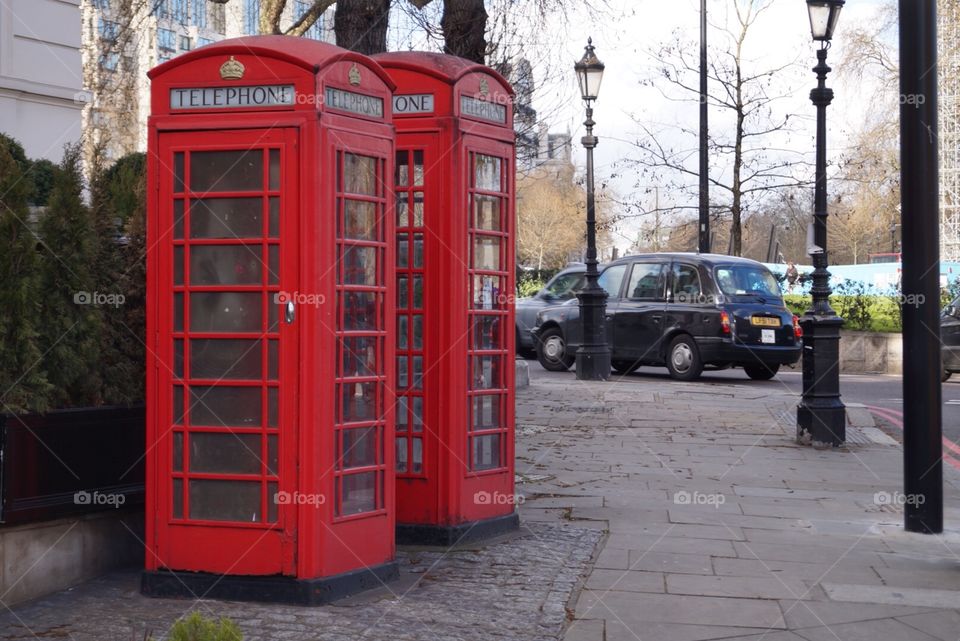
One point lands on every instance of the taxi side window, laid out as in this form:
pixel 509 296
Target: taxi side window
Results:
pixel 646 282
pixel 611 279
pixel 686 284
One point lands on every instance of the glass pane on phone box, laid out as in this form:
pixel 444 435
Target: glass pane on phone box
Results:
pixel 359 310
pixel 226 265
pixel 486 332
pixel 359 174
pixel 225 453
pixel 486 292
pixel 402 413
pixel 487 172
pixel 417 413
pixel 212 500
pixel 486 253
pixel 486 372
pixel 401 462
pixel 402 175
pixel 359 447
pixel 358 493
pixel 240 170
pixel 486 452
pixel 359 265
pixel 226 359
pixel 225 406
pixel 360 220
pixel 226 312
pixel 486 412
pixel 417 462
pixel 359 402
pixel 226 218
pixel 359 356
pixel 487 213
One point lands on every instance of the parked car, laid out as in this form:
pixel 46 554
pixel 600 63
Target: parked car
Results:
pixel 950 339
pixel 684 311
pixel 562 287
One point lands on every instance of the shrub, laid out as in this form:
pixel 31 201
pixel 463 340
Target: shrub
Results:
pixel 72 323
pixel 198 628
pixel 23 383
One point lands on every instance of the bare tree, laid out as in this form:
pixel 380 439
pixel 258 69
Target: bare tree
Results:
pixel 750 158
pixel 271 13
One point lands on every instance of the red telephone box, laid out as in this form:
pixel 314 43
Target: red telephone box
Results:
pixel 270 331
pixel 454 184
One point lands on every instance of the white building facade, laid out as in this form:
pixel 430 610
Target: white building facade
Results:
pixel 41 75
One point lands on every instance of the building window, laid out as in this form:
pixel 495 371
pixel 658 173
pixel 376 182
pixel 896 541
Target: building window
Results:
pixel 166 41
pixel 109 61
pixel 251 17
pixel 179 13
pixel 109 30
pixel 199 17
pixel 184 43
pixel 204 41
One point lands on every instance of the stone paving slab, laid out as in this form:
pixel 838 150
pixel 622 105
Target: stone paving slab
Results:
pixel 516 589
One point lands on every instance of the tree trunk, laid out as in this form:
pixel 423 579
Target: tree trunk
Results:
pixel 464 25
pixel 361 25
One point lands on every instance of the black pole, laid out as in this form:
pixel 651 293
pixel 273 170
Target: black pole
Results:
pixel 704 238
pixel 593 355
pixel 821 415
pixel 920 244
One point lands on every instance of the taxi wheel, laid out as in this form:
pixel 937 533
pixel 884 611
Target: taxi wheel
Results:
pixel 552 351
pixel 945 375
pixel 683 359
pixel 761 372
pixel 625 367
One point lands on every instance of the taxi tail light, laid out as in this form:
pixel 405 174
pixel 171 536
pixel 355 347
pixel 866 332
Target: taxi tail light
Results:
pixel 797 330
pixel 725 323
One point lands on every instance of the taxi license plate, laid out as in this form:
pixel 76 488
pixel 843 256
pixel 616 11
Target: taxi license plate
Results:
pixel 765 321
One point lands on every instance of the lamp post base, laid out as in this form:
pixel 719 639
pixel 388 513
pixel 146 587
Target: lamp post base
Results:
pixel 821 415
pixel 593 355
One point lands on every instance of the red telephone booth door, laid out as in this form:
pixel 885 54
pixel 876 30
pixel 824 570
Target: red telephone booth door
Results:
pixel 227 343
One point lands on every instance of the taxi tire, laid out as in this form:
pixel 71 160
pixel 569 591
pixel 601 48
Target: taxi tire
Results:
pixel 684 345
pixel 550 337
pixel 761 372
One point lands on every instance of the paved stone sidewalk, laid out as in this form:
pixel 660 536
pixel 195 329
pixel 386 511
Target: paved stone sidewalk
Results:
pixel 720 527
pixel 515 589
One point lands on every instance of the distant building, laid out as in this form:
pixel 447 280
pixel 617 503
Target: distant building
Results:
pixel 123 39
pixel 554 154
pixel 40 74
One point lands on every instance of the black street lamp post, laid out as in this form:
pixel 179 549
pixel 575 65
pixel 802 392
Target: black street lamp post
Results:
pixel 593 356
pixel 821 415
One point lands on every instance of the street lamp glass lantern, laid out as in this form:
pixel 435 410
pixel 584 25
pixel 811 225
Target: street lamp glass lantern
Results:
pixel 823 18
pixel 589 73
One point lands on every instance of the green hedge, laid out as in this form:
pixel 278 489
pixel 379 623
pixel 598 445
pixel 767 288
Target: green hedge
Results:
pixel 72 283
